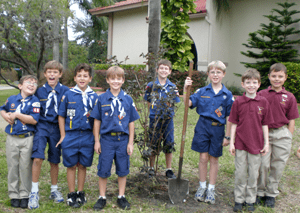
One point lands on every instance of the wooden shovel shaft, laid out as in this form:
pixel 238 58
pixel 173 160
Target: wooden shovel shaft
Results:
pixel 186 108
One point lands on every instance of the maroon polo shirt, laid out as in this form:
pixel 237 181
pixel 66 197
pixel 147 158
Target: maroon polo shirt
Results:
pixel 283 106
pixel 250 115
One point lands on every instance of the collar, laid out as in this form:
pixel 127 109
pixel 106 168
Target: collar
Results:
pixel 110 96
pixel 282 91
pixel 19 97
pixel 87 90
pixel 247 99
pixel 49 89
pixel 168 82
pixel 223 90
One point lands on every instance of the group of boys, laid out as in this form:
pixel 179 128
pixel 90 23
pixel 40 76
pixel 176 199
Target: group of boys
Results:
pixel 259 130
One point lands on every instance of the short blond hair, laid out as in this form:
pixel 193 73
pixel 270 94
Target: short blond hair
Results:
pixel 216 64
pixel 115 71
pixel 53 65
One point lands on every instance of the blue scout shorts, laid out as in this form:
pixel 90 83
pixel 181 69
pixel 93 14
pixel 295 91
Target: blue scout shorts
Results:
pixel 78 147
pixel 46 132
pixel 208 137
pixel 165 130
pixel 113 148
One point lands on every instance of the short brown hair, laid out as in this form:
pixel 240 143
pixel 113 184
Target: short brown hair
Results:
pixel 251 74
pixel 216 64
pixel 277 67
pixel 84 67
pixel 26 77
pixel 165 62
pixel 115 71
pixel 53 65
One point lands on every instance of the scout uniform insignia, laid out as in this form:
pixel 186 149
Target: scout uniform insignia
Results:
pixel 218 111
pixel 71 114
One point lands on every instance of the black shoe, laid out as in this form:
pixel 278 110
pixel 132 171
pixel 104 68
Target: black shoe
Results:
pixel 72 200
pixel 81 199
pixel 24 203
pixel 123 203
pixel 15 203
pixel 250 207
pixel 260 200
pixel 151 173
pixel 238 207
pixel 170 174
pixel 270 202
pixel 100 204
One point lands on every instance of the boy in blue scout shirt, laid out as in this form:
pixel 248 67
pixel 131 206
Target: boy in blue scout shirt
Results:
pixel 114 115
pixel 22 112
pixel 47 132
pixel 76 129
pixel 213 104
pixel 161 114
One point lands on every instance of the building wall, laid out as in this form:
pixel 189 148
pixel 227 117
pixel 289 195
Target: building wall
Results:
pixel 130 35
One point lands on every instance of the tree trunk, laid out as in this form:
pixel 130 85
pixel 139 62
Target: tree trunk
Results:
pixel 65 44
pixel 56 40
pixel 153 33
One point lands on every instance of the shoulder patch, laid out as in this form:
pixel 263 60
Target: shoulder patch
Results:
pixel 198 90
pixel 63 98
pixel 36 104
pixel 134 106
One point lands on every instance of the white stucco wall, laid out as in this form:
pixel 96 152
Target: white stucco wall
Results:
pixel 130 35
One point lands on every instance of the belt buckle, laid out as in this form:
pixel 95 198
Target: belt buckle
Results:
pixel 113 134
pixel 214 123
pixel 22 136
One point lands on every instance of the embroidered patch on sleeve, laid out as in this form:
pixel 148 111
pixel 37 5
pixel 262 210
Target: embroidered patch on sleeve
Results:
pixel 36 104
pixel 36 110
pixel 63 98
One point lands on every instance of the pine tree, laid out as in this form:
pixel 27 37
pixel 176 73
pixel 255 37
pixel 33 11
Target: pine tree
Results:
pixel 273 41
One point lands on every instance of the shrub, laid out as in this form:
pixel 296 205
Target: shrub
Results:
pixel 135 67
pixel 10 74
pixel 235 90
pixel 68 78
pixel 199 80
pixel 293 79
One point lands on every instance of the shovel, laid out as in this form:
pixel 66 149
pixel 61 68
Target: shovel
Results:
pixel 178 188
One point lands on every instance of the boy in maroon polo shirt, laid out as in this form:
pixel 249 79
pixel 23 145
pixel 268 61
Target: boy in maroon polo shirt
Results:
pixel 250 115
pixel 284 110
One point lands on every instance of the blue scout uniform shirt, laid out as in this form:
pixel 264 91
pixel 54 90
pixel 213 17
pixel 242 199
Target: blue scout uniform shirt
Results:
pixel 77 113
pixel 31 106
pixel 50 101
pixel 115 113
pixel 162 109
pixel 211 105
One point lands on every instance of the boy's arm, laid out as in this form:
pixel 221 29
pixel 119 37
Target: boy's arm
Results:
pixel 298 152
pixel 228 128
pixel 96 131
pixel 131 138
pixel 188 82
pixel 61 124
pixel 232 139
pixel 291 126
pixel 265 150
pixel 6 116
pixel 27 119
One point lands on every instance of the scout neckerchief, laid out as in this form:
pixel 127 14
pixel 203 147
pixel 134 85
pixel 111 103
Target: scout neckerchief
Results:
pixel 86 99
pixel 20 107
pixel 114 104
pixel 52 95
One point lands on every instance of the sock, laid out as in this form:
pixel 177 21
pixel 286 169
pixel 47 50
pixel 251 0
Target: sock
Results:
pixel 104 197
pixel 203 184
pixel 54 188
pixel 151 168
pixel 35 187
pixel 120 196
pixel 211 187
pixel 168 169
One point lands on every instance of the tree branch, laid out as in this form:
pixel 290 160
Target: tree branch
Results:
pixel 12 85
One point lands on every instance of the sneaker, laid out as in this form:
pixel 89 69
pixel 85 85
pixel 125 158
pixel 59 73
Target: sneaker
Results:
pixel 260 200
pixel 81 199
pixel 170 174
pixel 200 194
pixel 210 196
pixel 123 203
pixel 15 203
pixel 24 203
pixel 56 196
pixel 250 207
pixel 100 204
pixel 33 202
pixel 151 173
pixel 270 202
pixel 72 200
pixel 238 207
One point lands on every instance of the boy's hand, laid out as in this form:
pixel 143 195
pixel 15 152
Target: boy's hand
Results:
pixel 13 116
pixel 298 152
pixel 188 82
pixel 265 150
pixel 129 149
pixel 60 141
pixel 97 147
pixel 225 142
pixel 7 117
pixel 232 149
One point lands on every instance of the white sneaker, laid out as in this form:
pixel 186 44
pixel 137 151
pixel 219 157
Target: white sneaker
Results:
pixel 33 202
pixel 56 196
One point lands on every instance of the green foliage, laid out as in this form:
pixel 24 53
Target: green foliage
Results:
pixel 174 19
pixel 293 79
pixel 273 41
pixel 10 74
pixel 235 90
pixel 178 78
pixel 76 54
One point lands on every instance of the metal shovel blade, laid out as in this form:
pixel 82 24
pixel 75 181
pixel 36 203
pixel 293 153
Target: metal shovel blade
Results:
pixel 178 190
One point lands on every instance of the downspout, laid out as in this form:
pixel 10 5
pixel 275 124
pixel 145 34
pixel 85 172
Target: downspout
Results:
pixel 209 39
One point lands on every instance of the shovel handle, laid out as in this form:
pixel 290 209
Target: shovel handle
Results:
pixel 186 108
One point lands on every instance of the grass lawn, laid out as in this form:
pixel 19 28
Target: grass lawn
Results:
pixel 151 195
